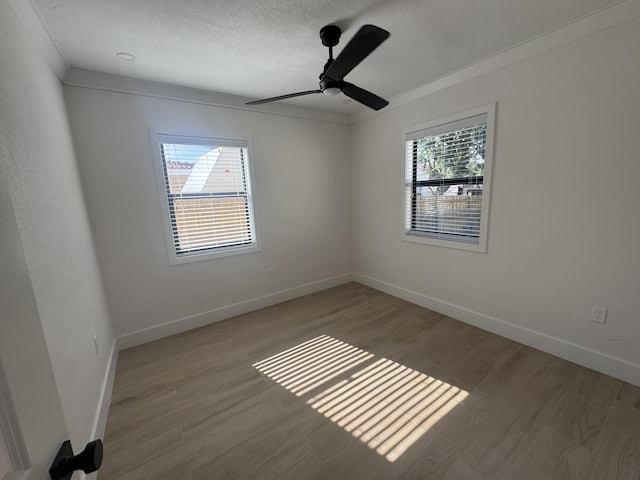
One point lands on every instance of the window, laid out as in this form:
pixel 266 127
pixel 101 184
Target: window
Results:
pixel 206 184
pixel 447 173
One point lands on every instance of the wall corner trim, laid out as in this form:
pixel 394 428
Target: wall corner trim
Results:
pixel 572 352
pixel 36 27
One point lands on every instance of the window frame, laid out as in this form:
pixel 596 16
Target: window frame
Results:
pixel 408 199
pixel 166 199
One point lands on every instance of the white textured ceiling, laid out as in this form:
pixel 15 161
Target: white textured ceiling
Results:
pixel 264 48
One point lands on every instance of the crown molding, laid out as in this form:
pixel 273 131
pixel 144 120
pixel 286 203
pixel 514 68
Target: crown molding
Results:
pixel 34 24
pixel 115 83
pixel 601 20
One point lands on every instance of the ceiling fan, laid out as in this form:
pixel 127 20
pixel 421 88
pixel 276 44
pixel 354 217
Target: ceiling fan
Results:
pixel 365 41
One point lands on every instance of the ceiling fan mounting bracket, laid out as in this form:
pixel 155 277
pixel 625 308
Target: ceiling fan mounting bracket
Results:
pixel 330 35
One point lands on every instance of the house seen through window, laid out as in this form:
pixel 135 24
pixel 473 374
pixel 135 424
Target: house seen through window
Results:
pixel 207 187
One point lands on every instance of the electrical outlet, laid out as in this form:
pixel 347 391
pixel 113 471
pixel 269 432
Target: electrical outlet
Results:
pixel 95 343
pixel 365 258
pixel 270 272
pixel 598 314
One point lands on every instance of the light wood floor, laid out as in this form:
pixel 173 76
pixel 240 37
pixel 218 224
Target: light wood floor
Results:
pixel 352 384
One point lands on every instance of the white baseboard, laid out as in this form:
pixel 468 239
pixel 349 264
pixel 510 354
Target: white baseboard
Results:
pixel 100 422
pixel 188 323
pixel 104 401
pixel 600 362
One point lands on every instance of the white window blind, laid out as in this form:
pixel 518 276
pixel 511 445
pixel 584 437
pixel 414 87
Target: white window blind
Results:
pixel 207 187
pixel 445 167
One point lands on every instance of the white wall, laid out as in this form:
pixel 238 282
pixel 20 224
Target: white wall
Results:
pixel 564 221
pixel 302 205
pixel 38 164
pixel 23 351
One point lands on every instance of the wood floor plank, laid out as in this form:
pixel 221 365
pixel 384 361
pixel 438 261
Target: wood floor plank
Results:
pixel 513 379
pixel 277 449
pixel 139 456
pixel 357 462
pixel 616 453
pixel 131 408
pixel 350 383
pixel 554 456
pixel 596 385
pixel 473 366
pixel 500 450
pixel 329 440
pixel 628 396
pixel 202 419
pixel 580 419
pixel 446 438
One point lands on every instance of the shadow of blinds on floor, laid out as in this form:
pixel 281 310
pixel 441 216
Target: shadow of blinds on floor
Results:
pixel 386 405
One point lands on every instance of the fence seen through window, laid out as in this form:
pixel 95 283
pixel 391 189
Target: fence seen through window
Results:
pixel 445 168
pixel 208 194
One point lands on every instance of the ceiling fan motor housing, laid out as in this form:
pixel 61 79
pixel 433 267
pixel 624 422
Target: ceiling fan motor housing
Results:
pixel 329 86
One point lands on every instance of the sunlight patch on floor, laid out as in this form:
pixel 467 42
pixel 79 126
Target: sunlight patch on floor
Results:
pixel 385 404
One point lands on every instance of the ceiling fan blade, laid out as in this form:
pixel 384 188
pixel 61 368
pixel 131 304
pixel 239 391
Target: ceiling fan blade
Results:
pixel 361 95
pixel 282 97
pixel 365 41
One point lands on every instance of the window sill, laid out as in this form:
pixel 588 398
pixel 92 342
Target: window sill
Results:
pixel 210 255
pixel 457 245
